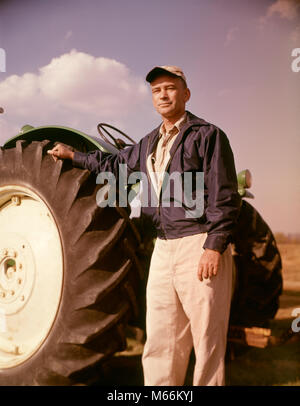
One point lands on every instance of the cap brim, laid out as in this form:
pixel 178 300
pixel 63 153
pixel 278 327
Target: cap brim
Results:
pixel 156 71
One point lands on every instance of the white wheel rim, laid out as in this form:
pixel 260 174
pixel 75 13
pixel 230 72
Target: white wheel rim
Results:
pixel 31 274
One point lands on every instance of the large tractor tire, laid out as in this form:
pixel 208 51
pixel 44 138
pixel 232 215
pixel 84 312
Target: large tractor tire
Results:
pixel 68 271
pixel 257 260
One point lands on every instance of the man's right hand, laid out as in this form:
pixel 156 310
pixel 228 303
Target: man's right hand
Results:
pixel 61 151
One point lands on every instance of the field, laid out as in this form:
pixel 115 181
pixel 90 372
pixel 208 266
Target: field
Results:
pixel 274 365
pixel 278 365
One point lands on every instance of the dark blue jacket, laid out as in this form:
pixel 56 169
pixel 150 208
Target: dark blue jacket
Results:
pixel 199 147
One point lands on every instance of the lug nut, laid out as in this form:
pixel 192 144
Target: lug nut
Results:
pixel 2 294
pixel 19 281
pixel 22 298
pixel 16 200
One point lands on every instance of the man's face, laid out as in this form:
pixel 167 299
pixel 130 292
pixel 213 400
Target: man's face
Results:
pixel 169 96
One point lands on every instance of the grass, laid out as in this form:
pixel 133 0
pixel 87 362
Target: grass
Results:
pixel 278 365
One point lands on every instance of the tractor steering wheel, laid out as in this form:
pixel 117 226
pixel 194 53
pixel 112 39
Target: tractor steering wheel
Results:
pixel 117 142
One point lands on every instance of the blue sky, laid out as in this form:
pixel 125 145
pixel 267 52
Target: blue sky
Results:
pixel 78 62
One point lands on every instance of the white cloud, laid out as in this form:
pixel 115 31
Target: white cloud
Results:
pixel 7 129
pixel 75 89
pixel 284 9
pixel 287 9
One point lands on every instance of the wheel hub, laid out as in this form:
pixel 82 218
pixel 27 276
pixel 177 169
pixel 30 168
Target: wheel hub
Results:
pixel 17 273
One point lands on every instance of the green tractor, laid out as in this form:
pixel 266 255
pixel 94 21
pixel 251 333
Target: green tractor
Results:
pixel 73 274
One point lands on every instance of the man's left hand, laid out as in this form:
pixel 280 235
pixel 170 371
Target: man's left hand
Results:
pixel 209 264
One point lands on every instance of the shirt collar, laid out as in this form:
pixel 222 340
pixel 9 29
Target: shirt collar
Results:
pixel 177 126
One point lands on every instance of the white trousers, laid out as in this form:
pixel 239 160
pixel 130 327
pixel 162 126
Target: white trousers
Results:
pixel 183 312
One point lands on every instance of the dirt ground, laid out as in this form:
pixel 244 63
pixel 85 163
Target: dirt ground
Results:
pixel 274 365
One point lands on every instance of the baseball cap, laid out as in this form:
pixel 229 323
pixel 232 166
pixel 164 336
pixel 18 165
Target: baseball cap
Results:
pixel 173 70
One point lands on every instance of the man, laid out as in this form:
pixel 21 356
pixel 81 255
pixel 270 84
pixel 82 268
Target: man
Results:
pixel 189 284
